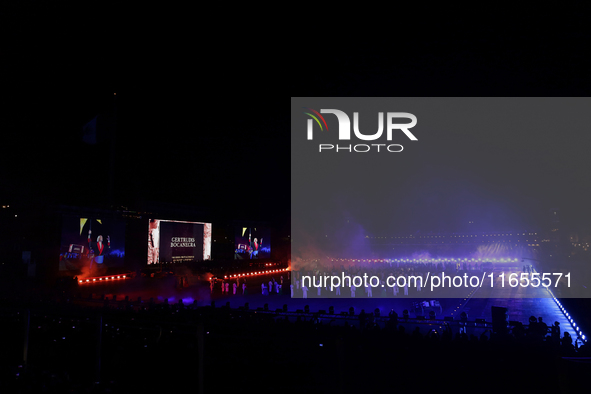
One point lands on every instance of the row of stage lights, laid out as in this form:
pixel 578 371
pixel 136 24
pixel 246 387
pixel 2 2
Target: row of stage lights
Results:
pixel 106 278
pixel 507 260
pixel 254 273
pixel 102 278
pixel 568 317
pixel 576 328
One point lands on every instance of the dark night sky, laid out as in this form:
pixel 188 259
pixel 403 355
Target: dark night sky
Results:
pixel 206 125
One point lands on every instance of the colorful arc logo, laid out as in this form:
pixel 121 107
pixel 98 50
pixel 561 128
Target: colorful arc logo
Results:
pixel 315 118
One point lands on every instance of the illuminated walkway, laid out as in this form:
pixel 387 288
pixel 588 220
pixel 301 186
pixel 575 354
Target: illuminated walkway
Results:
pixel 521 302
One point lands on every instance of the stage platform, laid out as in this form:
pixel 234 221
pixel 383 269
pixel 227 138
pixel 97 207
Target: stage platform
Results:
pixel 198 292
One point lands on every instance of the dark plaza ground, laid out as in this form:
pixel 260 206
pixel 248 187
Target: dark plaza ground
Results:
pixel 475 303
pixel 271 361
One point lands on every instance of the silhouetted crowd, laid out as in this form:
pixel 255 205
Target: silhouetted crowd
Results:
pixel 151 347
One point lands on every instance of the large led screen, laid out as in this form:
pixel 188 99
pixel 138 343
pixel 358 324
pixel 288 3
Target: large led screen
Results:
pixel 91 244
pixel 252 243
pixel 174 241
